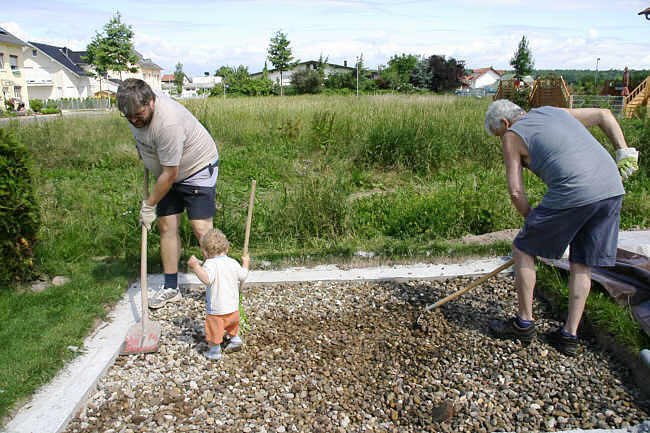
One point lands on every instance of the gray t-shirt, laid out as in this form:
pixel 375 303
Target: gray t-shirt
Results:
pixel 577 169
pixel 174 137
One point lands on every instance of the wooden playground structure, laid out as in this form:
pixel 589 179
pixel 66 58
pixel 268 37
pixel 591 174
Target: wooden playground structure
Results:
pixel 554 91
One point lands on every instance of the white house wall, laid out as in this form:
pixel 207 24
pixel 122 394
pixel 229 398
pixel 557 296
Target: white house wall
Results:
pixel 486 79
pixel 286 75
pixel 51 80
pixel 149 76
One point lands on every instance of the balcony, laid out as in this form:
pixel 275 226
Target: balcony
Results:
pixel 40 82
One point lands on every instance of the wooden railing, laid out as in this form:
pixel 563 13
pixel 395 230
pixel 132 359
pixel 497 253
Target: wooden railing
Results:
pixel 550 91
pixel 565 92
pixel 643 87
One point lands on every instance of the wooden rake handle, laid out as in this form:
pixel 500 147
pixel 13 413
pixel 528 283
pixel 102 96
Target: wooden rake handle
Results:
pixel 471 286
pixel 250 216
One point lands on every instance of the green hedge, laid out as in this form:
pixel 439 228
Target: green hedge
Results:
pixel 19 213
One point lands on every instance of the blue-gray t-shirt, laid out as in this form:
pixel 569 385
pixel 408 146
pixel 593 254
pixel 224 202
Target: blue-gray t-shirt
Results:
pixel 577 169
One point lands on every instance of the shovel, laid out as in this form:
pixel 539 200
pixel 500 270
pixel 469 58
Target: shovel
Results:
pixel 143 336
pixel 463 290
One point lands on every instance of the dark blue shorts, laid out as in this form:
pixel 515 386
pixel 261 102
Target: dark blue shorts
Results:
pixel 198 200
pixel 590 230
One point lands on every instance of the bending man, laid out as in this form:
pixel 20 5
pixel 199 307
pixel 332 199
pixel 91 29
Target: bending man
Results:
pixel 183 157
pixel 580 209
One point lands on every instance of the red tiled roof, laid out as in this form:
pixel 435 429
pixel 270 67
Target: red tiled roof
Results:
pixel 480 71
pixel 167 77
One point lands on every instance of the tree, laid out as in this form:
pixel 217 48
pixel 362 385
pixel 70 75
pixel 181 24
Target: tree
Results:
pixel 321 66
pixel 399 70
pixel 112 50
pixel 445 73
pixel 421 75
pixel 279 54
pixel 522 61
pixel 239 82
pixel 179 77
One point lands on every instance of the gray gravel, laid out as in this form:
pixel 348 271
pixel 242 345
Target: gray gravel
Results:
pixel 344 357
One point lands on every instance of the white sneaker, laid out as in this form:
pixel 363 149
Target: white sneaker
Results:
pixel 234 345
pixel 163 296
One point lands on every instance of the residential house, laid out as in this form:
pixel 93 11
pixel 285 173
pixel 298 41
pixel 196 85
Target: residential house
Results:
pixel 59 72
pixel 169 87
pixel 54 73
pixel 205 82
pixel 13 84
pixel 146 70
pixel 330 68
pixel 483 77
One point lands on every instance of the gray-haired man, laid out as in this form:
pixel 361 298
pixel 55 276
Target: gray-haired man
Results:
pixel 183 157
pixel 581 207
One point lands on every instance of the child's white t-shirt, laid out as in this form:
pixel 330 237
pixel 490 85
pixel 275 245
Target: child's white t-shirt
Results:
pixel 225 274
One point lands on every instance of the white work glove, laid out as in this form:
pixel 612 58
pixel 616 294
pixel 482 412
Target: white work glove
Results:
pixel 147 214
pixel 627 161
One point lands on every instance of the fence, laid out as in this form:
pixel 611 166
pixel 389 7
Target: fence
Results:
pixel 83 104
pixel 615 103
pixel 477 93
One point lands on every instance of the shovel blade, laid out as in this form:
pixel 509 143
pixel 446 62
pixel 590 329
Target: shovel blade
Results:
pixel 141 340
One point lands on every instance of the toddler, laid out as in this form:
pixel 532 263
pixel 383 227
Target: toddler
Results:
pixel 221 274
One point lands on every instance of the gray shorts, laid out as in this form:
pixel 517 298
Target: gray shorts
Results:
pixel 590 230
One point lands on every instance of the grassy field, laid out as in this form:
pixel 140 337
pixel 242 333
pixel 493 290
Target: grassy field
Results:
pixel 397 175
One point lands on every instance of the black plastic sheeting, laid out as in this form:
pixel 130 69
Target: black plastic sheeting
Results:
pixel 628 282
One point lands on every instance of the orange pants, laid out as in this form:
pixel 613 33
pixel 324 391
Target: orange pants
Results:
pixel 216 324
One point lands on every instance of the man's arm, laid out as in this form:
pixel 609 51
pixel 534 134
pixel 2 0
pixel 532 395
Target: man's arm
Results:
pixel 604 119
pixel 163 184
pixel 512 149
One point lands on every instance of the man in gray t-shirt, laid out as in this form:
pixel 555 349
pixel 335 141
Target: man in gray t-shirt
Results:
pixel 580 209
pixel 183 157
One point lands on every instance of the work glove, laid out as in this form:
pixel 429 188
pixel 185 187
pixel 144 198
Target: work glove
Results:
pixel 627 161
pixel 147 214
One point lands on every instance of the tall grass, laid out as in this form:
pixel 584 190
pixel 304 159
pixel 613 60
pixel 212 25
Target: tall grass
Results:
pixel 397 175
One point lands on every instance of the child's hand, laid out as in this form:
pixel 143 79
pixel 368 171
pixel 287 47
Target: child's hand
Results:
pixel 193 262
pixel 245 260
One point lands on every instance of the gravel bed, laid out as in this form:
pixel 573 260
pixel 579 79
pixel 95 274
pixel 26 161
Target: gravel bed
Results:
pixel 344 357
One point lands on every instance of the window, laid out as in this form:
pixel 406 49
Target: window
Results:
pixel 2 61
pixel 17 92
pixel 34 52
pixel 13 61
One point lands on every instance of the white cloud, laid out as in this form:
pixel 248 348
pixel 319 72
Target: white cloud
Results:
pixel 593 34
pixel 15 29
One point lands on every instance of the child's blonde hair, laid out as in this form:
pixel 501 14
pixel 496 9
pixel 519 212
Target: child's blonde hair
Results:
pixel 214 242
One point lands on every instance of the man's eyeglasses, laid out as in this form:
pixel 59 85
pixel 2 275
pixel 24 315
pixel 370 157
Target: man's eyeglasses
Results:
pixel 140 114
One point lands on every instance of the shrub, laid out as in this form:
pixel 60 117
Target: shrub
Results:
pixel 36 105
pixel 50 110
pixel 19 215
pixel 307 81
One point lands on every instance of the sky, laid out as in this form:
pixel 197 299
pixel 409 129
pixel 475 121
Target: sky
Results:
pixel 204 35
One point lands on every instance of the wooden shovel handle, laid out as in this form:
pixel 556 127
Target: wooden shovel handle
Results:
pixel 250 216
pixel 143 258
pixel 471 286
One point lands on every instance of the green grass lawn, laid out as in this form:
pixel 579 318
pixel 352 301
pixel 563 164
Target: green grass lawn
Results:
pixel 396 175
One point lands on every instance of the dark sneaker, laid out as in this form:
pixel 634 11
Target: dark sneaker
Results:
pixel 163 297
pixel 233 345
pixel 509 330
pixel 564 344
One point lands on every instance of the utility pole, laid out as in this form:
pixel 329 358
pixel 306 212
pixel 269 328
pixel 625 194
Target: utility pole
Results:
pixel 596 78
pixel 357 75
